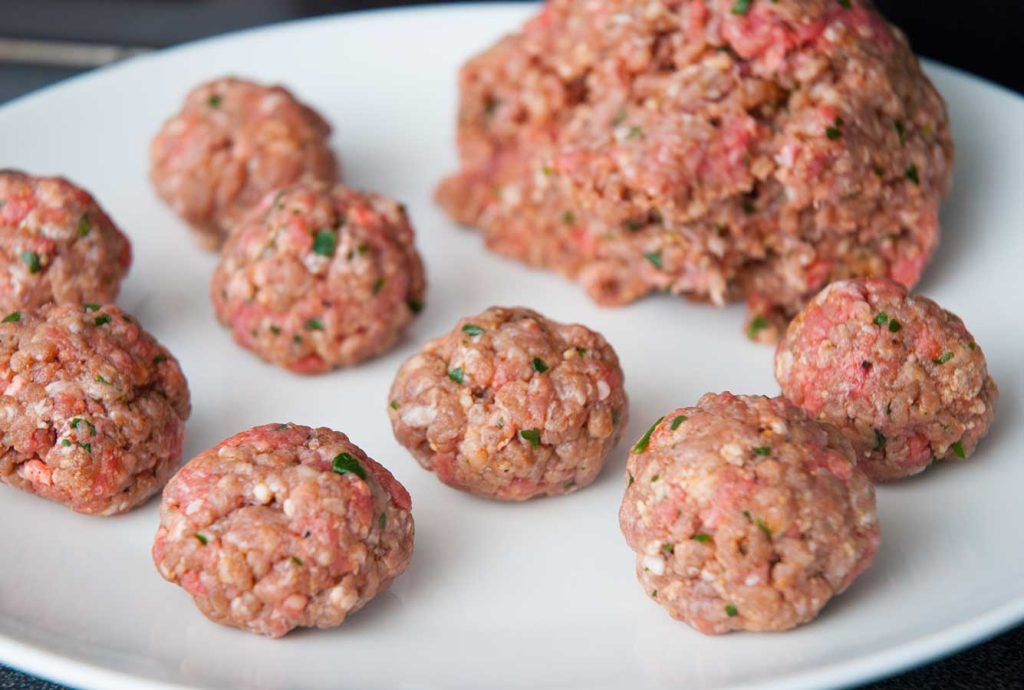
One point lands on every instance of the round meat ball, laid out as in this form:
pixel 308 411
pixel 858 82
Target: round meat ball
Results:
pixel 56 244
pixel 233 142
pixel 318 277
pixel 93 408
pixel 708 148
pixel 899 375
pixel 283 526
pixel 511 405
pixel 746 515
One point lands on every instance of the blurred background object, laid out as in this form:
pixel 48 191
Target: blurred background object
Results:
pixel 44 41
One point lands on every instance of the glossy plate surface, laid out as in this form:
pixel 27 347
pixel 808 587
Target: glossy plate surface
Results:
pixel 538 595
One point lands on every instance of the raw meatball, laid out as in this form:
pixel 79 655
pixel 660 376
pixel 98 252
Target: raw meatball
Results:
pixel 711 148
pixel 899 375
pixel 56 244
pixel 746 515
pixel 511 405
pixel 283 526
pixel 232 142
pixel 92 409
pixel 318 277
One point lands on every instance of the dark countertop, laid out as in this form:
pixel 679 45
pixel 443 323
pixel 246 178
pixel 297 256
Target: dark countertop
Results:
pixel 980 37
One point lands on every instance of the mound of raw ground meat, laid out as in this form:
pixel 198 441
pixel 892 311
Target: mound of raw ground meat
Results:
pixel 710 148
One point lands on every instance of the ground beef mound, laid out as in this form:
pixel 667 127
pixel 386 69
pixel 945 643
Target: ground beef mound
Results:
pixel 746 515
pixel 56 244
pixel 283 526
pixel 700 148
pixel 318 277
pixel 511 405
pixel 899 375
pixel 92 410
pixel 234 141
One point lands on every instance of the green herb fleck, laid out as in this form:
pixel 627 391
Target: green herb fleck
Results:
pixel 762 450
pixel 314 325
pixel 702 537
pixel 91 306
pixel 901 131
pixel 415 306
pixel 159 359
pixel 972 346
pixel 297 561
pixel 645 440
pixel 87 447
pixel 394 404
pixel 377 285
pixel 214 101
pixel 654 258
pixel 958 448
pixel 757 324
pixel 677 421
pixel 547 170
pixel 382 521
pixel 846 4
pixel 501 422
pixel 531 435
pixel 749 207
pixel 65 443
pixel 895 326
pixel 943 358
pixel 297 339
pixel 31 260
pixel 731 610
pixel 539 365
pixel 472 329
pixel 362 248
pixel 634 133
pixel 569 218
pixel 344 463
pixel 633 225
pixel 668 548
pixel 275 329
pixel 879 440
pixel 655 478
pixel 763 526
pixel 654 593
pixel 13 317
pixel 84 226
pixel 881 318
pixel 879 170
pixel 911 173
pixel 741 7
pixel 101 379
pixel 581 351
pixel 616 416
pixel 102 319
pixel 833 133
pixel 630 480
pixel 456 374
pixel 78 421
pixel 202 538
pixel 325 242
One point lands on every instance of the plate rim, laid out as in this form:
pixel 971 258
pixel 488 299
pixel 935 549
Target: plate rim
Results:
pixel 34 659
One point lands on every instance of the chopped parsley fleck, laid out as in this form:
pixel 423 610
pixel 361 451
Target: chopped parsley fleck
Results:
pixel 78 421
pixel 501 422
pixel 569 218
pixel 731 610
pixel 415 306
pixel 630 480
pixel 456 374
pixel 895 326
pixel 539 365
pixel 547 170
pixel 762 450
pixel 879 170
pixel 958 448
pixel 101 379
pixel 297 561
pixel 275 329
pixel 943 358
pixel 763 526
pixel 472 329
pixel 645 440
pixel 901 131
pixel 215 100
pixel 677 421
pixel 102 319
pixel 297 339
pixel 655 478
pixel 668 548
pixel 972 346
pixel 654 593
pixel 202 538
pixel 634 133
pixel 91 306
pixel 13 317
pixel 87 447
pixel 633 225
pixel 31 260
pixel 881 318
pixel 394 404
pixel 757 324
pixel 377 285
pixel 159 359
pixel 581 351
pixel 325 243
pixel 362 248
pixel 531 435
pixel 741 7
pixel 702 537
pixel 833 133
pixel 84 226
pixel 654 258
pixel 911 173
pixel 879 440
pixel 616 416
pixel 344 463
pixel 749 207
pixel 65 443
pixel 314 325
pixel 846 4
pixel 382 521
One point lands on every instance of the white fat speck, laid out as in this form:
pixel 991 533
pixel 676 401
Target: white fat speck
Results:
pixel 732 453
pixel 418 416
pixel 261 493
pixel 194 506
pixel 655 564
pixel 752 579
pixel 603 389
pixel 779 427
pixel 706 576
pixel 289 507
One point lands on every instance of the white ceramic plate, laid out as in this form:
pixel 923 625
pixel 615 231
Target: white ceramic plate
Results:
pixel 537 595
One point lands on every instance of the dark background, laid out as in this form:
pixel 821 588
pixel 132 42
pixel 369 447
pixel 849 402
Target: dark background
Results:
pixel 979 36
